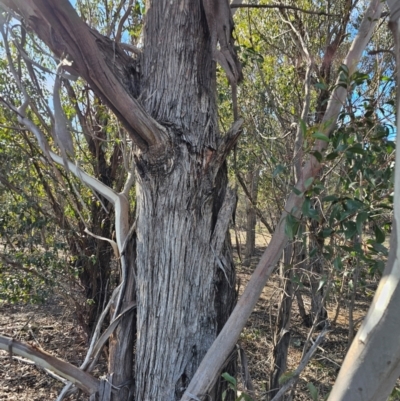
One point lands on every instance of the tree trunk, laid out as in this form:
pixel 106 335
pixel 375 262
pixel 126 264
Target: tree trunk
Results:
pixel 318 312
pixel 182 269
pixel 282 327
pixel 121 356
pixel 185 273
pixel 251 216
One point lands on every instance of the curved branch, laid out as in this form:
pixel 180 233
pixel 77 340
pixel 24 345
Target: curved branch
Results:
pixel 81 379
pixel 118 200
pixel 100 61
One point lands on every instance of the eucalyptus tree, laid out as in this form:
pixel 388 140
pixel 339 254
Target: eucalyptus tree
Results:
pixel 372 364
pixel 177 277
pixel 175 255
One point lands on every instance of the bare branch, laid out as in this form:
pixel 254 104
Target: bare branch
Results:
pixel 130 48
pixel 253 203
pixel 81 379
pixel 100 61
pixel 303 363
pixel 122 21
pixel 377 51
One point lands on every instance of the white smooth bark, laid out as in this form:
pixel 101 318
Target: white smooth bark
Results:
pixel 372 365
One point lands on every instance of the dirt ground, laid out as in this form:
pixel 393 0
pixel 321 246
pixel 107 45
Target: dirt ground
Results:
pixel 53 327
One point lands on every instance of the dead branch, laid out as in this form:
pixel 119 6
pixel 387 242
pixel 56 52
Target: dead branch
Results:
pixel 81 379
pixel 303 363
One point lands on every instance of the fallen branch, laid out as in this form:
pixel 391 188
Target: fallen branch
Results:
pixel 29 362
pixel 79 378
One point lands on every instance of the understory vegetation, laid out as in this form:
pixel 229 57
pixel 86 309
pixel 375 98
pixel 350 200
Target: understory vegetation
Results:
pixel 63 259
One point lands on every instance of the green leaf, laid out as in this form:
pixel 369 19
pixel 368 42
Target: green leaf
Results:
pixel 229 378
pixel 379 235
pixel 343 68
pixel 313 391
pixel 297 191
pixel 361 218
pixel 291 226
pixel 356 149
pixel 330 198
pixel 332 156
pixel 321 85
pixel 278 169
pixel 326 232
pixel 353 204
pixel 321 136
pixel 285 377
pixel 308 182
pixel 313 252
pixel 317 155
pixel 379 248
pixel 337 263
pixel 351 229
pixel 305 209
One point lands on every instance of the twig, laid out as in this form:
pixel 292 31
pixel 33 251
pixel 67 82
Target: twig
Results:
pixel 303 363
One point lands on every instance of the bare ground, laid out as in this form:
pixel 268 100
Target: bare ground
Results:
pixel 53 327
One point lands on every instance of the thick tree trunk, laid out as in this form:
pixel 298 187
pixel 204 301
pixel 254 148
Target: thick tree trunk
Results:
pixel 185 278
pixel 166 100
pixel 185 274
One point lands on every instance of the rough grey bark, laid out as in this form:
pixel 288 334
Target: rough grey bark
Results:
pixel 121 343
pixel 182 259
pixel 185 274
